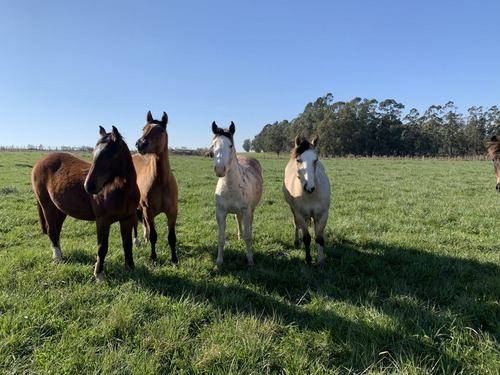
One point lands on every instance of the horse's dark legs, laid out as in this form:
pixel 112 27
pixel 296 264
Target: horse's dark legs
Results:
pixel 172 238
pixel 54 220
pixel 102 249
pixel 319 231
pixel 126 232
pixel 307 242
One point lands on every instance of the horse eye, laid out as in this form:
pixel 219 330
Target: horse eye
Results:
pixel 230 146
pixel 299 161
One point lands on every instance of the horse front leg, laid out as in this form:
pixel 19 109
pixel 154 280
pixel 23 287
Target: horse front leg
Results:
pixel 319 231
pixel 149 222
pixel 102 249
pixel 221 240
pixel 247 235
pixel 306 237
pixel 172 238
pixel 126 228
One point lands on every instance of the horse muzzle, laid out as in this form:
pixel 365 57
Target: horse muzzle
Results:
pixel 142 146
pixel 498 187
pixel 220 170
pixel 91 187
pixel 309 189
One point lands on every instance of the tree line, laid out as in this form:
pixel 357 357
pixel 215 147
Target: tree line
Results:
pixel 371 128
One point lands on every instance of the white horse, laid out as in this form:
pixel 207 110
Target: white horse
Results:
pixel 307 190
pixel 238 190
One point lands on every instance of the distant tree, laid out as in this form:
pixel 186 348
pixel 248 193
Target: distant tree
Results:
pixel 246 145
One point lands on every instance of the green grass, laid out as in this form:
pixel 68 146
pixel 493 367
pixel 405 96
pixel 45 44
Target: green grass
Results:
pixel 411 283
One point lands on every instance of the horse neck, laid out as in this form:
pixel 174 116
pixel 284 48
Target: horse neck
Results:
pixel 160 163
pixel 233 174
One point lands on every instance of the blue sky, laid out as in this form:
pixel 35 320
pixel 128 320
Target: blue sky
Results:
pixel 67 67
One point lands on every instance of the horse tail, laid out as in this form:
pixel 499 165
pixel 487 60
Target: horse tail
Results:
pixel 140 217
pixel 41 218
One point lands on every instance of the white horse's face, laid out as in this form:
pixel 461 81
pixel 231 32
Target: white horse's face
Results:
pixel 306 170
pixel 223 152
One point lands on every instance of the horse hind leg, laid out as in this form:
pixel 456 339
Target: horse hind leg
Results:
pixel 54 219
pixel 296 242
pixel 172 238
pixel 247 236
pixel 238 222
pixel 126 228
pixel 137 243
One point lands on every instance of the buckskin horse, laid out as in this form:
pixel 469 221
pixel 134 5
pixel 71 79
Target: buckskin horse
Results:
pixel 157 184
pixel 104 191
pixel 307 190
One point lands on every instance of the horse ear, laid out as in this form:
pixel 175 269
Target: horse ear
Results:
pixel 315 141
pixel 115 134
pixel 214 128
pixel 232 128
pixel 298 140
pixel 164 119
pixel 102 131
pixel 149 117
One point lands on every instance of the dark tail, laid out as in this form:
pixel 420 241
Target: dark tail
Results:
pixel 41 218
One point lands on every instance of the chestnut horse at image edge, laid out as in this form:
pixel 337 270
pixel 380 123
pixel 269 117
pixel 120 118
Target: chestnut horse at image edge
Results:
pixel 157 184
pixel 307 190
pixel 104 191
pixel 494 152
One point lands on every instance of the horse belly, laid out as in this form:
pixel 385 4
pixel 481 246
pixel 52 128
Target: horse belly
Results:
pixel 74 201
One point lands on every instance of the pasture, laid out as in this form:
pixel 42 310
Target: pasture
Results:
pixel 410 285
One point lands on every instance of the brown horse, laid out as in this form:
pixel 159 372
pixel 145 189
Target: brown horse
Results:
pixel 494 152
pixel 104 191
pixel 156 182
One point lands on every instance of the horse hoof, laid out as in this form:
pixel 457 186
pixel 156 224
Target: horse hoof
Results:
pixel 175 264
pixel 153 262
pixel 296 244
pixel 137 243
pixel 99 277
pixel 320 264
pixel 250 264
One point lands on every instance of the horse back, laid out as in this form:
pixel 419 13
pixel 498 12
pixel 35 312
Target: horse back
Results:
pixel 58 178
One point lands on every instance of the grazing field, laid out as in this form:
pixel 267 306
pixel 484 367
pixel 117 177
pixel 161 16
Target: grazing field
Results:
pixel 411 282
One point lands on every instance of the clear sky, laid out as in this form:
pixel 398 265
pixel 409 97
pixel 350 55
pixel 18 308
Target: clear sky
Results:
pixel 67 67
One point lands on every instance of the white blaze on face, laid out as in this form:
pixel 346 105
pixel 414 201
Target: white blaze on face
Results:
pixel 222 152
pixel 306 165
pixel 98 150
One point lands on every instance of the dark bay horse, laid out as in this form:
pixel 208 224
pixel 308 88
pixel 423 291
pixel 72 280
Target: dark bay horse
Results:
pixel 104 191
pixel 307 190
pixel 157 184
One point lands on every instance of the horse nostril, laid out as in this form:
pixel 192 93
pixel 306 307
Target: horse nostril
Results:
pixel 90 187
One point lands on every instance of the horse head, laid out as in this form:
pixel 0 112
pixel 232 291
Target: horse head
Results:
pixel 494 152
pixel 306 160
pixel 108 162
pixel 154 138
pixel 223 148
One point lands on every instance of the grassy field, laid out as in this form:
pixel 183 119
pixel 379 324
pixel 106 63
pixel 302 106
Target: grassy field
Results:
pixel 411 283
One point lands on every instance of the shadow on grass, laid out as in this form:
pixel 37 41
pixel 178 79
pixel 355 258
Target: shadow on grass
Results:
pixel 427 296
